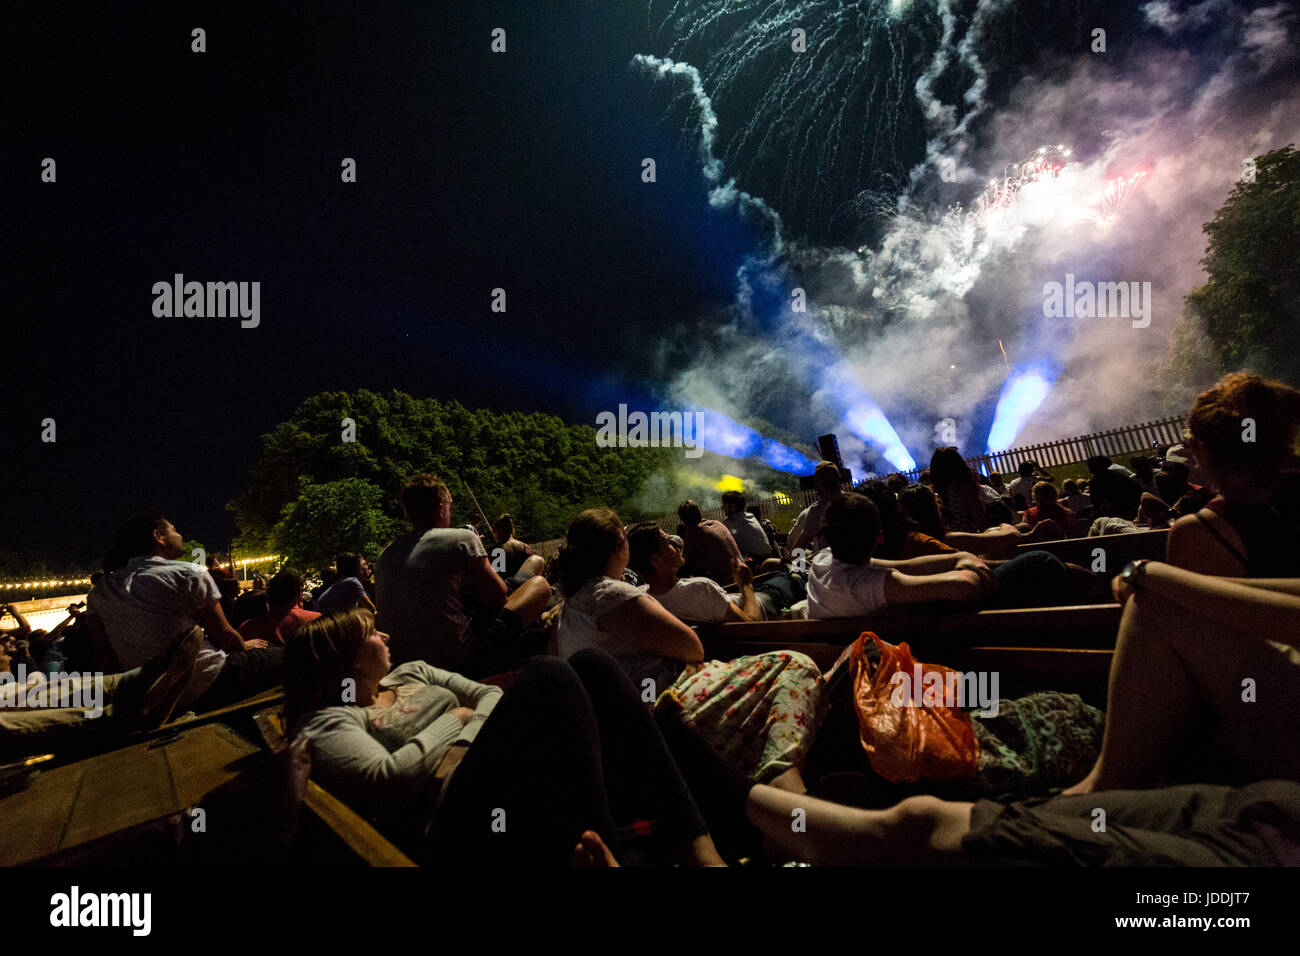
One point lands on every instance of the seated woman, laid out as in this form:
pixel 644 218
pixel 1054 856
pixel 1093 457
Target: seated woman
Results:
pixel 759 712
pixel 920 505
pixel 1252 529
pixel 540 775
pixel 1188 644
pixel 902 537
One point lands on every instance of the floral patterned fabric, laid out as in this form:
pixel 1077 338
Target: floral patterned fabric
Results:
pixel 760 713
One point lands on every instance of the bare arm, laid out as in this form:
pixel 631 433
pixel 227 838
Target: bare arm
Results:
pixel 1255 611
pixel 645 623
pixel 1194 547
pixel 219 630
pixel 944 586
pixel 487 583
pixel 747 609
pixel 998 541
pixel 926 564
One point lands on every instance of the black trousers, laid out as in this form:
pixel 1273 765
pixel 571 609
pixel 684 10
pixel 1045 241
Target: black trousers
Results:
pixel 569 747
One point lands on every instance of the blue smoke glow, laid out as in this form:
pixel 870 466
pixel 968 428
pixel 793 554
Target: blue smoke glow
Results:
pixel 1022 393
pixel 723 436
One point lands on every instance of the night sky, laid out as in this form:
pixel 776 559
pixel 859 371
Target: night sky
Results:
pixel 522 171
pixel 475 171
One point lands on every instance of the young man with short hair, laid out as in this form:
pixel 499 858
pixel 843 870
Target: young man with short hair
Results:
pixel 419 577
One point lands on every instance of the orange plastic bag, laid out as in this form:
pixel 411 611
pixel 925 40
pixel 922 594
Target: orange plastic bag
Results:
pixel 907 742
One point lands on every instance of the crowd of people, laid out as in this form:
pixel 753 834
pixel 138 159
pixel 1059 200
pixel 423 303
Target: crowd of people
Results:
pixel 613 714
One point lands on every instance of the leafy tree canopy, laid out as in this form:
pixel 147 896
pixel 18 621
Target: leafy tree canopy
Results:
pixel 540 469
pixel 1250 306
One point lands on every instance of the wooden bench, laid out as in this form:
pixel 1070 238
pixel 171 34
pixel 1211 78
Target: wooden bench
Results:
pixel 61 813
pixel 1119 549
pixel 327 818
pixel 1083 626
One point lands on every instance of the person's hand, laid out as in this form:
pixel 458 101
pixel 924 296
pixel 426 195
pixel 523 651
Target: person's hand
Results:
pixel 984 574
pixel 464 713
pixel 255 644
pixel 743 574
pixel 1121 589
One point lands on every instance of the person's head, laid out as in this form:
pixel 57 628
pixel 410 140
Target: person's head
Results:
pixel 285 588
pixel 1028 467
pixel 896 482
pixel 248 606
pixel 651 551
pixel 1244 430
pixel 426 501
pixel 688 512
pixel 324 653
pixel 827 479
pixel 1152 512
pixel 996 483
pixel 998 512
pixel 595 545
pixel 923 477
pixel 919 504
pixel 211 562
pixel 1071 486
pixel 733 503
pixel 1171 484
pixel 948 469
pixel 503 529
pixel 349 565
pixel 852 528
pixel 1098 465
pixel 891 522
pixel 1044 493
pixel 756 511
pixel 148 534
pixel 1140 465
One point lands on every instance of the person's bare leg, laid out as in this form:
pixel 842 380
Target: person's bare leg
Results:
pixel 534 564
pixel 918 830
pixel 790 780
pixel 530 599
pixel 1158 678
pixel 591 851
pixel 700 852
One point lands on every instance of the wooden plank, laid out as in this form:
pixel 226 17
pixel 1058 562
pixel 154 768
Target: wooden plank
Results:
pixel 1064 620
pixel 1119 549
pixel 363 839
pixel 274 695
pixel 85 801
pixel 32 820
pixel 121 789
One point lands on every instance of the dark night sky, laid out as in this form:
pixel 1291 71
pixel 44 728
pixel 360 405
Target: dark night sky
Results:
pixel 475 171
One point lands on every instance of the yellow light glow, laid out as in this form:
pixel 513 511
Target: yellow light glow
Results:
pixel 730 483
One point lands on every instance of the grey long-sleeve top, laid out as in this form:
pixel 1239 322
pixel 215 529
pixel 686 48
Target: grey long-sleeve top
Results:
pixel 383 758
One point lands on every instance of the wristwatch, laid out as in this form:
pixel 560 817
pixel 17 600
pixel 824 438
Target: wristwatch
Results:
pixel 1134 571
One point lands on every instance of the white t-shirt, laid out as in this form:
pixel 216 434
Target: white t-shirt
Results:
pixel 697 599
pixel 1023 486
pixel 147 605
pixel 839 589
pixel 578 628
pixel 749 534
